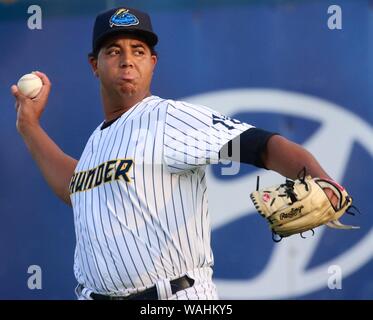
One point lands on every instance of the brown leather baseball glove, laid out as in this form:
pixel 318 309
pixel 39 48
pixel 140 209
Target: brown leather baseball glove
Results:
pixel 301 205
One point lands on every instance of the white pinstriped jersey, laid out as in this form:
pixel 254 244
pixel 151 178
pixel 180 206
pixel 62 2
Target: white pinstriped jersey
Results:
pixel 139 196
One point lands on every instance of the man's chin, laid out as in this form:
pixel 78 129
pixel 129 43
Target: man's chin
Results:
pixel 127 90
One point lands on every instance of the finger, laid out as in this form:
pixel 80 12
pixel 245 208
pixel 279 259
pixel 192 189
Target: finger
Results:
pixel 43 78
pixel 16 93
pixel 332 197
pixel 44 92
pixel 14 90
pixel 16 106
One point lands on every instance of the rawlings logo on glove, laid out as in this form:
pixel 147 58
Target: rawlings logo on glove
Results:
pixel 301 205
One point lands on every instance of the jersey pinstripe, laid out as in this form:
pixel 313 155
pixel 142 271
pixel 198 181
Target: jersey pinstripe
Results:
pixel 139 197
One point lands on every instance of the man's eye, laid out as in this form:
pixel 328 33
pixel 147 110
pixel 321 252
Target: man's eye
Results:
pixel 139 52
pixel 113 52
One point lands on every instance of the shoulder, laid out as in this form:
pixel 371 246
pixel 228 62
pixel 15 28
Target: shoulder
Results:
pixel 180 105
pixel 155 104
pixel 184 107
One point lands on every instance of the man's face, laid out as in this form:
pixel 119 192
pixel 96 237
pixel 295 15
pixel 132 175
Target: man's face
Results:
pixel 124 66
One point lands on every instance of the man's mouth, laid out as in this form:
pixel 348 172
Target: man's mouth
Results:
pixel 127 77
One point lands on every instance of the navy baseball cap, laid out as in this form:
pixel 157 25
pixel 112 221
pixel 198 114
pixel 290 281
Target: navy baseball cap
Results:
pixel 122 20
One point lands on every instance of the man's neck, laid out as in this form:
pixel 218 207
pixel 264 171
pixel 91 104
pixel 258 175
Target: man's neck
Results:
pixel 115 107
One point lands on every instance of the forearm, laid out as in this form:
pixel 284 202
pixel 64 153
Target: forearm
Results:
pixel 56 167
pixel 289 158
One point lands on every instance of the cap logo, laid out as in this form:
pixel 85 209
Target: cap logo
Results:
pixel 122 18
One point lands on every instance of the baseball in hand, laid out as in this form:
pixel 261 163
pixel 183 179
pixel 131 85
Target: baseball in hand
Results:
pixel 30 85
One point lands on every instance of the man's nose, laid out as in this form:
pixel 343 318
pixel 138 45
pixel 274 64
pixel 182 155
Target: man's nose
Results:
pixel 126 61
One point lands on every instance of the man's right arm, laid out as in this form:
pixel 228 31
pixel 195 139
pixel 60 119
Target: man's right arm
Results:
pixel 56 166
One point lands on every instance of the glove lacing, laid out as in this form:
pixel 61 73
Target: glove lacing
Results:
pixel 289 193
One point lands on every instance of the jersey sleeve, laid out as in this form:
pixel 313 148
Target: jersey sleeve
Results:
pixel 194 135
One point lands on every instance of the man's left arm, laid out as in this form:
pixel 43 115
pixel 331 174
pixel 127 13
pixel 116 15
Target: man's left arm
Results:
pixel 269 150
pixel 288 159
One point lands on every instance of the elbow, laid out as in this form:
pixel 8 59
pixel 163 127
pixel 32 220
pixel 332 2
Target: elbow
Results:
pixel 68 202
pixel 267 156
pixel 65 197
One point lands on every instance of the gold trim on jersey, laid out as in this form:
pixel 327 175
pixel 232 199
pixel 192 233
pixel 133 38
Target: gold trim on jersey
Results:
pixel 105 172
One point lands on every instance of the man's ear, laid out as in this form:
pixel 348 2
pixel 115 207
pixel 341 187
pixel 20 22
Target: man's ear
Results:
pixel 93 62
pixel 155 59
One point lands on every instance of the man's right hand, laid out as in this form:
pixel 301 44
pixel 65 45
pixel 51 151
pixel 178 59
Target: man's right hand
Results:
pixel 29 110
pixel 56 166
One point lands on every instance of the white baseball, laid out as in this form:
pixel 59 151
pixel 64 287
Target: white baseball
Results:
pixel 30 85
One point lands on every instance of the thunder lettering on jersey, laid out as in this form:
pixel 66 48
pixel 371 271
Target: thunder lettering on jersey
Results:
pixel 105 172
pixel 139 197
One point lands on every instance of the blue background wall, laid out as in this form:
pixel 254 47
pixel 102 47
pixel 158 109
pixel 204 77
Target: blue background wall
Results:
pixel 203 48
